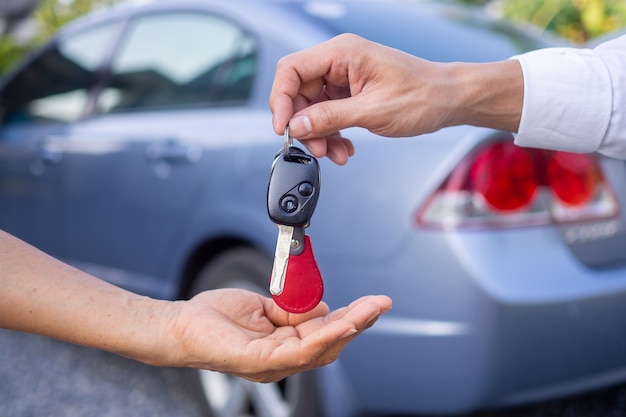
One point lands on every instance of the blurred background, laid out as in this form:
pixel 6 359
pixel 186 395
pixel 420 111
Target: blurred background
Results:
pixel 60 380
pixel 28 23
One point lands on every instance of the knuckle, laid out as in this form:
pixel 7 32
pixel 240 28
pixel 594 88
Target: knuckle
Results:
pixel 329 118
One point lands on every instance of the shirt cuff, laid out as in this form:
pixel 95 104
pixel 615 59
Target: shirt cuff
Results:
pixel 567 100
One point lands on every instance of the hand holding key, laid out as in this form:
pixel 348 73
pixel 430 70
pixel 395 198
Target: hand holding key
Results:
pixel 228 330
pixel 296 283
pixel 350 81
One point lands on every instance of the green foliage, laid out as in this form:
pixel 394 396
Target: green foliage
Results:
pixel 49 16
pixel 10 53
pixel 577 20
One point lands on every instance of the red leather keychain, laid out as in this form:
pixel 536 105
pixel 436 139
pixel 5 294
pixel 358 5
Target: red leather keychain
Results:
pixel 303 286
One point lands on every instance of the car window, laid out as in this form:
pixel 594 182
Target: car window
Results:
pixel 438 33
pixel 178 59
pixel 55 86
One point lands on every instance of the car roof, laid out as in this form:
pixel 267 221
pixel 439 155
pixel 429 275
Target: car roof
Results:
pixel 429 29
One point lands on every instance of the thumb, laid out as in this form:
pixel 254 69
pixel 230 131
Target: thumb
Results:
pixel 324 118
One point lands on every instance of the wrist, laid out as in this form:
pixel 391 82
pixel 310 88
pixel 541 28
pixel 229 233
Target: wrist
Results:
pixel 137 328
pixel 153 332
pixel 486 94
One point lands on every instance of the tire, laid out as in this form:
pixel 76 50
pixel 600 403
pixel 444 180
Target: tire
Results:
pixel 229 396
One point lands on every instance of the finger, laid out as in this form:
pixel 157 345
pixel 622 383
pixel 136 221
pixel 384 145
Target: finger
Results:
pixel 291 352
pixel 325 346
pixel 315 344
pixel 320 311
pixel 319 357
pixel 329 334
pixel 361 306
pixel 318 332
pixel 317 146
pixel 335 92
pixel 321 344
pixel 284 91
pixel 280 317
pixel 358 315
pixel 326 117
pixel 339 149
pixel 349 145
pixel 297 82
pixel 282 109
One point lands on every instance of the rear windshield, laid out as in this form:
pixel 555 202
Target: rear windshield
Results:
pixel 434 32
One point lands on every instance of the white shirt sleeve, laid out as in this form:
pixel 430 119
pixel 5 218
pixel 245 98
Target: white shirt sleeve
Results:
pixel 575 99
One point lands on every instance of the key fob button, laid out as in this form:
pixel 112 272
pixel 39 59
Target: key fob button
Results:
pixel 289 203
pixel 305 189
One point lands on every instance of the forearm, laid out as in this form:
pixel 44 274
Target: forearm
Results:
pixel 486 95
pixel 44 296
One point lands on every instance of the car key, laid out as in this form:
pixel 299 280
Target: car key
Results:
pixel 293 190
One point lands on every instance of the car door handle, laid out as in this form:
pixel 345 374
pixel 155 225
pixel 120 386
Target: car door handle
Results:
pixel 45 154
pixel 50 152
pixel 173 152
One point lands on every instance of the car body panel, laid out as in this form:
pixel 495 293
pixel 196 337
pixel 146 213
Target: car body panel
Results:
pixel 145 198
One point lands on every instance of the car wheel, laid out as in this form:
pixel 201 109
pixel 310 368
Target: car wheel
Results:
pixel 229 396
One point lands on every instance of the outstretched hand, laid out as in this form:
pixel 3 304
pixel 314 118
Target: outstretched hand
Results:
pixel 227 330
pixel 349 81
pixel 246 334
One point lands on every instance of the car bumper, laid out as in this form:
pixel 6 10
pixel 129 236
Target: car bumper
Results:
pixel 493 322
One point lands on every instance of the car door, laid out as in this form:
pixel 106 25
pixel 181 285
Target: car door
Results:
pixel 38 106
pixel 135 167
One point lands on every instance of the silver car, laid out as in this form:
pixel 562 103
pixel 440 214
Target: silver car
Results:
pixel 137 146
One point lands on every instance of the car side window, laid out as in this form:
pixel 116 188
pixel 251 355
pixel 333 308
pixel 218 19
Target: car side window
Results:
pixel 182 59
pixel 55 86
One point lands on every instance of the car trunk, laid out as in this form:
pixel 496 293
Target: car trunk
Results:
pixel 601 244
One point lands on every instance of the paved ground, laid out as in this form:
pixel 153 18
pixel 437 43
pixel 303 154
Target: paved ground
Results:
pixel 603 403
pixel 40 377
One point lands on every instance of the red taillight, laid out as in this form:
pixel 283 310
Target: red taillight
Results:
pixel 505 176
pixel 573 177
pixel 503 185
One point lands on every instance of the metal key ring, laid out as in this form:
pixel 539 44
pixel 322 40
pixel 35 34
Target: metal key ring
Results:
pixel 288 141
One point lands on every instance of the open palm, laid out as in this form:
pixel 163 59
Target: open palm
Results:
pixel 246 334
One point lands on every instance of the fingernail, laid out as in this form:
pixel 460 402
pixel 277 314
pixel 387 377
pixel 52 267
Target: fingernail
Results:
pixel 349 333
pixel 300 125
pixel 370 322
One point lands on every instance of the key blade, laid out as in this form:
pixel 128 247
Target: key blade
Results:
pixel 281 258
